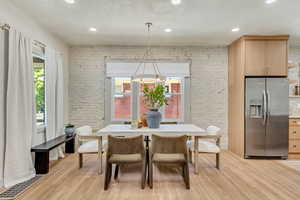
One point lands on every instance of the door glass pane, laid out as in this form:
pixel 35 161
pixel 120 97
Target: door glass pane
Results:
pixel 173 109
pixel 173 93
pixel 173 85
pixel 39 83
pixel 122 106
pixel 122 98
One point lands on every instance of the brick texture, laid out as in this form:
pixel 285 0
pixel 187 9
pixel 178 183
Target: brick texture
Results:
pixel 208 82
pixel 294 74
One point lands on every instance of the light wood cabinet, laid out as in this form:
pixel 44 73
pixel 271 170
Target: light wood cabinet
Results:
pixel 252 56
pixel 294 136
pixel 276 57
pixel 255 62
pixel 294 133
pixel 266 57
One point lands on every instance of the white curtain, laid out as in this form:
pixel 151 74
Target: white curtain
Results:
pixel 54 99
pixel 20 107
pixel 2 103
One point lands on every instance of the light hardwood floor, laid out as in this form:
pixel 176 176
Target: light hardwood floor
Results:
pixel 238 179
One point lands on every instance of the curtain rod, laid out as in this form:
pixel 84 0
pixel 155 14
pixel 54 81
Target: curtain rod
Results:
pixel 5 27
pixel 39 43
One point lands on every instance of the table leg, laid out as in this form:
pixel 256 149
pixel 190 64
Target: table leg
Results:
pixel 147 158
pixel 196 154
pixel 100 149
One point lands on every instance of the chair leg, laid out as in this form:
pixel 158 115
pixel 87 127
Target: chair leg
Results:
pixel 106 176
pixel 80 160
pixel 218 160
pixel 190 156
pixel 150 175
pixel 116 172
pixel 148 171
pixel 143 174
pixel 187 175
pixel 110 173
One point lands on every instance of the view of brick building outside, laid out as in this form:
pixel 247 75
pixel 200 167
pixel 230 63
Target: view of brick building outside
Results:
pixel 123 102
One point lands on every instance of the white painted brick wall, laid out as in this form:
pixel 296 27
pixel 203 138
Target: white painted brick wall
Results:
pixel 208 86
pixel 294 57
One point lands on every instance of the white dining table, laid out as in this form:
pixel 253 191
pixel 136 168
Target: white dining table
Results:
pixel 164 130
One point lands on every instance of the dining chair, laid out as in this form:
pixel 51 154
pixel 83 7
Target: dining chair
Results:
pixel 89 144
pixel 169 150
pixel 126 150
pixel 210 144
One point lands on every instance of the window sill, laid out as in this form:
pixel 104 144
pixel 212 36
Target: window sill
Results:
pixel 41 129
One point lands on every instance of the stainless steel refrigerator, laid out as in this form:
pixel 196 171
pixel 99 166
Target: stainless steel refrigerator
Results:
pixel 266 117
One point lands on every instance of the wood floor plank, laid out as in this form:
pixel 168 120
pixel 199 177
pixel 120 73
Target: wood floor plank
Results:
pixel 238 179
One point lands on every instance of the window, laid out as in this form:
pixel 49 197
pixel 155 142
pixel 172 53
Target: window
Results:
pixel 39 82
pixel 124 94
pixel 174 88
pixel 121 99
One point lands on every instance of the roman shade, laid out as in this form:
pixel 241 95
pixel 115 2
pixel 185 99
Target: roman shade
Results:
pixel 125 69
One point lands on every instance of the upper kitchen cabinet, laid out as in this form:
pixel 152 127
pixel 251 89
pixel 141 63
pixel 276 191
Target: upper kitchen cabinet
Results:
pixel 255 58
pixel 276 57
pixel 265 55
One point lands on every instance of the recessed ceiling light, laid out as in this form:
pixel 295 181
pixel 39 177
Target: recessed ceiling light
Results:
pixel 176 2
pixel 70 1
pixel 235 29
pixel 270 1
pixel 92 29
pixel 168 30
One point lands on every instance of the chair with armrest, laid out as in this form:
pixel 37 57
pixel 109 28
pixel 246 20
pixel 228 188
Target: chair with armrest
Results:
pixel 124 150
pixel 169 150
pixel 209 144
pixel 88 143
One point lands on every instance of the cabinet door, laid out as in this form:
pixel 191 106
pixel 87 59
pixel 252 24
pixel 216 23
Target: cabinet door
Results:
pixel 255 58
pixel 276 57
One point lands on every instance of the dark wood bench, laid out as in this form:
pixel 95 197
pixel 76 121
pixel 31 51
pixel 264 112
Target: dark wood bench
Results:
pixel 42 151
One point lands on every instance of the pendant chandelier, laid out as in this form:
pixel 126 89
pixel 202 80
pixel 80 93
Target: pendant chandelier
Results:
pixel 148 62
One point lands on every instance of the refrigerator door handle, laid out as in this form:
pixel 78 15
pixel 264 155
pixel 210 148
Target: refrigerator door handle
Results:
pixel 264 107
pixel 267 105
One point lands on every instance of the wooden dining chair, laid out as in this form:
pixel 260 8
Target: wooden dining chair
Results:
pixel 88 143
pixel 126 150
pixel 209 144
pixel 169 150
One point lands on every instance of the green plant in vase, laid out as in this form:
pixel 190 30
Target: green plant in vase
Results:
pixel 154 99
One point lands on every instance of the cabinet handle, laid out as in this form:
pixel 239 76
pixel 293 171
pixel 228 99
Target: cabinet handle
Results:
pixel 295 146
pixel 294 132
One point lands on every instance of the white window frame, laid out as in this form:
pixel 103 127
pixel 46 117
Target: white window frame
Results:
pixel 136 107
pixel 162 109
pixel 113 119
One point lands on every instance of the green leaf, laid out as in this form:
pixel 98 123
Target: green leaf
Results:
pixel 155 97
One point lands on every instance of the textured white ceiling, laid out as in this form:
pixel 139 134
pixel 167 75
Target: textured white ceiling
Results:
pixel 194 22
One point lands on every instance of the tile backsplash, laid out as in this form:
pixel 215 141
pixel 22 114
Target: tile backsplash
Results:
pixel 293 75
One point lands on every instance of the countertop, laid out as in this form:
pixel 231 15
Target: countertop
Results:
pixel 294 116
